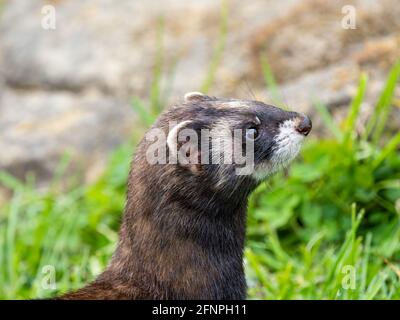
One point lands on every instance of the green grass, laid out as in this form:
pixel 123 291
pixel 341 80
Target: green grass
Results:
pixel 305 238
pixel 328 228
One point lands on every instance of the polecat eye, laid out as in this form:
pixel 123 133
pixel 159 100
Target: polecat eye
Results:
pixel 252 133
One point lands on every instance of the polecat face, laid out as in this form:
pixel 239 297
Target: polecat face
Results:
pixel 228 141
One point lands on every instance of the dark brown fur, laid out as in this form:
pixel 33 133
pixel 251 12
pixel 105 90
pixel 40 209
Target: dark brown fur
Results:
pixel 180 238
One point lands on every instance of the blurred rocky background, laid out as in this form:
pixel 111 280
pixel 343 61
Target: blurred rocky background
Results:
pixel 69 90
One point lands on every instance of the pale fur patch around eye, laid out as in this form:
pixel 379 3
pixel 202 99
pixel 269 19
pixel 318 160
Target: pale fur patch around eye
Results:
pixel 287 146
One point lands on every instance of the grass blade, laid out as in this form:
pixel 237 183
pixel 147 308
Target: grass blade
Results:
pixel 10 182
pixel 376 284
pixel 328 120
pixel 155 90
pixel 388 149
pixel 271 83
pixel 349 242
pixel 355 108
pixel 219 49
pixel 144 113
pixel 378 120
pixel 365 260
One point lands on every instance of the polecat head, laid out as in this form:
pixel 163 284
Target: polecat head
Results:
pixel 224 142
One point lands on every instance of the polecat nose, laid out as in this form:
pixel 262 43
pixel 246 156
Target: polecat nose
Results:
pixel 304 126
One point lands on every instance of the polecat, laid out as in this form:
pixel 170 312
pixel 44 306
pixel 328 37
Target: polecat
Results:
pixel 183 230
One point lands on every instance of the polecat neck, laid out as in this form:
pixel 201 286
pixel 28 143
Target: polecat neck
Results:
pixel 180 244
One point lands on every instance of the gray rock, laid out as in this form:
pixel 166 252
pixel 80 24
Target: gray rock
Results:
pixel 46 107
pixel 70 88
pixel 39 128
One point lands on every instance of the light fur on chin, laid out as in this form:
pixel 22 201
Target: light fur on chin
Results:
pixel 287 146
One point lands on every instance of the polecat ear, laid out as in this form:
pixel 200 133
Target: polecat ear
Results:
pixel 195 96
pixel 172 139
pixel 183 146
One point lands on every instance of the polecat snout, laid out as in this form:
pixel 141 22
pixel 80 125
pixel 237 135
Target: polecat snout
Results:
pixel 183 230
